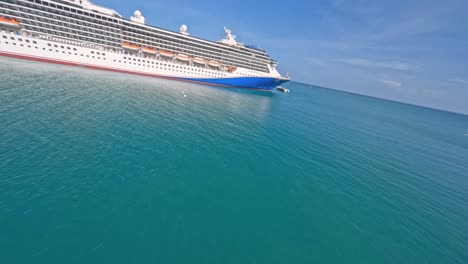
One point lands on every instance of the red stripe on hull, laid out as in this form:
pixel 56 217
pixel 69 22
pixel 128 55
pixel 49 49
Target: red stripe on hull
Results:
pixel 90 66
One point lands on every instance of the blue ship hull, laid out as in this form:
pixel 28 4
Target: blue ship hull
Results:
pixel 258 83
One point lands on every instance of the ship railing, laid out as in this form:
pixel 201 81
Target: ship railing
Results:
pixel 88 45
pixel 76 43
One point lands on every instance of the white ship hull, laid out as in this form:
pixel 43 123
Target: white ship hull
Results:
pixel 61 51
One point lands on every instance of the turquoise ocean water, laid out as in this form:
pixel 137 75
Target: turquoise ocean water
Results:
pixel 97 167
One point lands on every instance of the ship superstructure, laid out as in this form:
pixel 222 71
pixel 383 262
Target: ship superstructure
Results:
pixel 78 32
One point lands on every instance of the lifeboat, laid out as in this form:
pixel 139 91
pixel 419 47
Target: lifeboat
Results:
pixel 149 50
pixel 166 53
pixel 9 22
pixel 214 63
pixel 129 46
pixel 183 57
pixel 199 60
pixel 231 68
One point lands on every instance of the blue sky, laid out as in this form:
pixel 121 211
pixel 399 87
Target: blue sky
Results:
pixel 409 51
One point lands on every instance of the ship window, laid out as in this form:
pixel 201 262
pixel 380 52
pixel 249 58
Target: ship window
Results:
pixel 4 37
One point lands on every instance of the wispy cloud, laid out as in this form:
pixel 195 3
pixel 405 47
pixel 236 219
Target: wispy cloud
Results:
pixel 459 80
pixel 314 61
pixel 393 65
pixel 392 83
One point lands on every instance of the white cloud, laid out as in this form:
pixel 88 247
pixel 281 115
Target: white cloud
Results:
pixel 392 83
pixel 393 65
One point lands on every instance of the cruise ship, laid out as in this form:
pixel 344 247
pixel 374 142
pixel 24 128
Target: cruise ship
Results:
pixel 81 33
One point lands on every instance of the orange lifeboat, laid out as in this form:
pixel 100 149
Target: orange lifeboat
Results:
pixel 214 63
pixel 9 22
pixel 183 57
pixel 166 53
pixel 198 60
pixel 149 50
pixel 129 46
pixel 231 68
